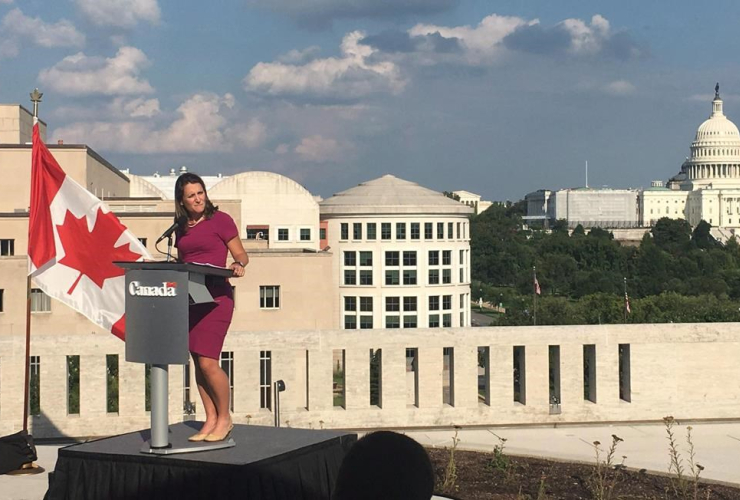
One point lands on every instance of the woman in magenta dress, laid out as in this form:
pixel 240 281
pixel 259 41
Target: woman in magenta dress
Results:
pixel 205 236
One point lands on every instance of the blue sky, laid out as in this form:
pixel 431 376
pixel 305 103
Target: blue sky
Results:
pixel 499 98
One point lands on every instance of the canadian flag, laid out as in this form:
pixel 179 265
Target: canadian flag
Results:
pixel 73 240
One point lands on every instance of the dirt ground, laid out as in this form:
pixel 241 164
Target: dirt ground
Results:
pixel 483 476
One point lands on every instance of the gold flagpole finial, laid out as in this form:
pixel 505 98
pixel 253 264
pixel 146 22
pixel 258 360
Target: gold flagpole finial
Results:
pixel 36 99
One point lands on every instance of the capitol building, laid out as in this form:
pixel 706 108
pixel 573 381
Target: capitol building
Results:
pixel 707 187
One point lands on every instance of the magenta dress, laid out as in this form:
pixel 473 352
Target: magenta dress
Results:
pixel 205 243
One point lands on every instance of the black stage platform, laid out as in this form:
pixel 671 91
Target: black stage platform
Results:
pixel 266 463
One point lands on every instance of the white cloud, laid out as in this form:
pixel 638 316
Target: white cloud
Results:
pixel 300 56
pixel 349 76
pixel 200 125
pixel 481 42
pixel 619 87
pixel 281 149
pixel 587 39
pixel 17 28
pixel 6 1
pixel 135 108
pixel 120 13
pixel 80 74
pixel 319 149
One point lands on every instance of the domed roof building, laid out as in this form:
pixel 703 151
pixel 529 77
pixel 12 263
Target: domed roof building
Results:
pixel 715 152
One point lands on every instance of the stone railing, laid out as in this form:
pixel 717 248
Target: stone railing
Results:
pixel 426 377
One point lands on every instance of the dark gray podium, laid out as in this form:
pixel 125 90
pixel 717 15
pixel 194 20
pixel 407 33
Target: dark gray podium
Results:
pixel 158 295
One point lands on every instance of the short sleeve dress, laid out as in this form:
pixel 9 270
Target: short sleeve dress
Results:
pixel 205 243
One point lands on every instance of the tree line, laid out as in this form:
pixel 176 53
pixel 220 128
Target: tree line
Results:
pixel 675 274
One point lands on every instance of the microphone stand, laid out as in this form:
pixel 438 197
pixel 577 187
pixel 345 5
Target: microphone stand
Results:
pixel 169 248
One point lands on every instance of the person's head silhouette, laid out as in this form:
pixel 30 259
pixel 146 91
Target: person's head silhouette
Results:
pixel 385 465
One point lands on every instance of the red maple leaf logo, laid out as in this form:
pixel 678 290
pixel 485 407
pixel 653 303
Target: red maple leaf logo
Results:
pixel 93 253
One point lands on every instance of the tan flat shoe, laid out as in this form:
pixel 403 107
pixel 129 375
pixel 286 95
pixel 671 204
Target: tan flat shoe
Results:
pixel 212 438
pixel 197 437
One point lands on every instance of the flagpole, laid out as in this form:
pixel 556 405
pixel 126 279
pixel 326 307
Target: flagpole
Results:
pixel 625 299
pixel 534 294
pixel 35 99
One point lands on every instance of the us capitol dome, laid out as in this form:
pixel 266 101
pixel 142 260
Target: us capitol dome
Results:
pixel 715 153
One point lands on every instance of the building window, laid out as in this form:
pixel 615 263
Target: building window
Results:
pixel 409 321
pixel 322 233
pixel 350 303
pixel 350 259
pixel 34 388
pixel 433 257
pixel 434 321
pixel 400 230
pixel 415 231
pixel 448 376
pixel 391 258
pixel 305 234
pixel 350 277
pixel 392 322
pixel 266 380
pixel 440 230
pixel 73 385
pixel 270 297
pixel 366 258
pixel 366 304
pixel 434 302
pixel 446 302
pixel 385 230
pixel 40 302
pixel 350 322
pixel 357 231
pixel 258 233
pixel 409 258
pixel 391 278
pixel 282 234
pixel 446 276
pixel 409 303
pixel 458 230
pixel 366 322
pixel 371 231
pixel 409 277
pixel 447 257
pixel 428 231
pixel 344 231
pixel 1 300
pixel 449 231
pixel 7 247
pixel 366 277
pixel 392 304
pixel 111 385
pixel 434 276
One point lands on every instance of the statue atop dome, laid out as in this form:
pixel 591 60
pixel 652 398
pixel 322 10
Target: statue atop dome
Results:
pixel 716 91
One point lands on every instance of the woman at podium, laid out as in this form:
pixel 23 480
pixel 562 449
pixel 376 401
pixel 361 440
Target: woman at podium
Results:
pixel 206 236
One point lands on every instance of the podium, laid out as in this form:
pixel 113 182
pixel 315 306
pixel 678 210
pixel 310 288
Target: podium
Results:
pixel 158 296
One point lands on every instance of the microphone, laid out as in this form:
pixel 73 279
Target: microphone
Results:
pixel 171 229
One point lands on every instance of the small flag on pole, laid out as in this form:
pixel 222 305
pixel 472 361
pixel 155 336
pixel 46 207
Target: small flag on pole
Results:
pixel 537 289
pixel 627 303
pixel 73 240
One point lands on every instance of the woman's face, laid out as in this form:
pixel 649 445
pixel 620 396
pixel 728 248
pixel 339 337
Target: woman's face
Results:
pixel 194 200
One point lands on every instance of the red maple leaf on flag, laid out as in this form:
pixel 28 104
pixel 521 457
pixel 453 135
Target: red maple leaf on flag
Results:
pixel 92 253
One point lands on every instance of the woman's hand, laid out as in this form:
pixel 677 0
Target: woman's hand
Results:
pixel 237 269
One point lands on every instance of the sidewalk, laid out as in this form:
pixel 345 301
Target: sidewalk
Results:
pixel 717 448
pixel 716 445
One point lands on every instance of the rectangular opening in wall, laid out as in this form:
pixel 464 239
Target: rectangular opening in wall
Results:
pixel 148 387
pixel 73 385
pixel 266 380
pixel 448 376
pixel 520 374
pixel 554 378
pixel 308 391
pixel 589 372
pixel 227 365
pixel 412 377
pixel 34 388
pixel 484 375
pixel 111 383
pixel 338 378
pixel 625 375
pixel 376 378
